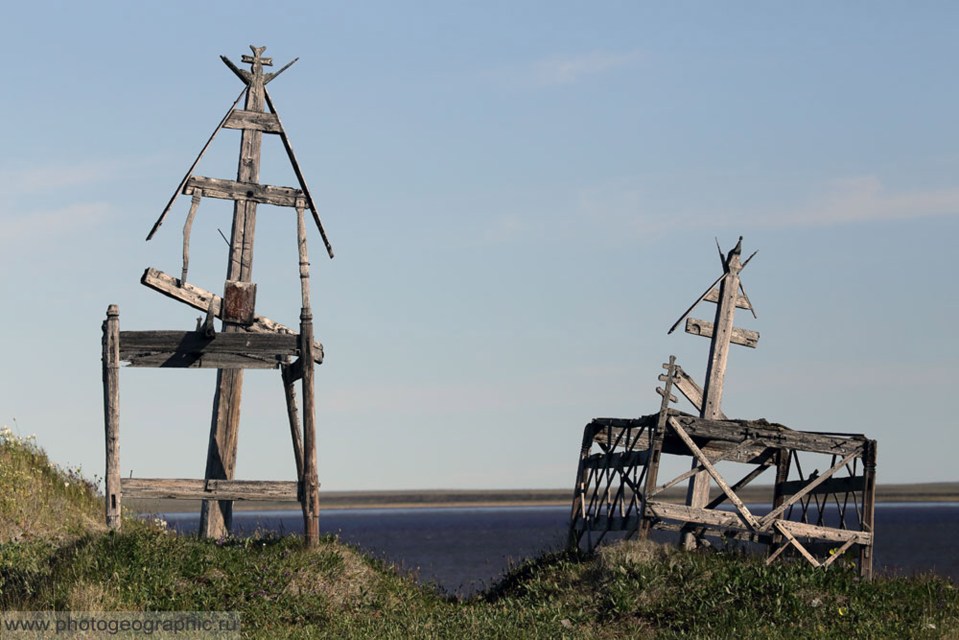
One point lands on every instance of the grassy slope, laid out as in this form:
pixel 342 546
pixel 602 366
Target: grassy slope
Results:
pixel 284 591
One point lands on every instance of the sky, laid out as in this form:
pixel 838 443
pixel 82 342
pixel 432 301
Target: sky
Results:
pixel 522 198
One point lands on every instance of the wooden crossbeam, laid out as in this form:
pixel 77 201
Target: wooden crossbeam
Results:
pixel 197 349
pixel 704 328
pixel 742 302
pixel 243 191
pixel 209 489
pixel 256 120
pixel 744 512
pixel 204 300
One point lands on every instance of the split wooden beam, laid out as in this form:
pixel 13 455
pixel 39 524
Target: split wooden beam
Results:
pixel 241 191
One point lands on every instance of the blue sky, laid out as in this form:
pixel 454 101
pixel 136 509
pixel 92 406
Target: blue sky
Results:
pixel 522 196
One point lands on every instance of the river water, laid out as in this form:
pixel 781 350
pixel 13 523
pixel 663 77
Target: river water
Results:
pixel 463 550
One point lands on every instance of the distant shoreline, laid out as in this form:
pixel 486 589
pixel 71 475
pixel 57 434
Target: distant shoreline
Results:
pixel 476 498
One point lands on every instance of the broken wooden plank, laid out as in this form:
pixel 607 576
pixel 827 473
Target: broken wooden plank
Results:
pixel 209 489
pixel 202 299
pixel 704 328
pixel 256 120
pixel 243 191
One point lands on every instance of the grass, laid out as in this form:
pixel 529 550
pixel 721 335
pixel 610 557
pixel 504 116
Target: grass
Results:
pixel 65 561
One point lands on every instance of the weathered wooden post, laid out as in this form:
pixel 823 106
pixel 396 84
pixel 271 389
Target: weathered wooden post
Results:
pixel 111 415
pixel 215 517
pixel 310 479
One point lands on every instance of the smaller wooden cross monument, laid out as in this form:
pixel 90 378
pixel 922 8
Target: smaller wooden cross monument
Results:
pixel 245 341
pixel 721 333
pixel 817 515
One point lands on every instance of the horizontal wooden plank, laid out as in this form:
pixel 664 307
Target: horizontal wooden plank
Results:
pixel 713 296
pixel 832 485
pixel 201 299
pixel 803 530
pixel 612 523
pixel 704 328
pixel 683 513
pixel 232 190
pixel 255 120
pixel 208 489
pixel 620 460
pixel 196 349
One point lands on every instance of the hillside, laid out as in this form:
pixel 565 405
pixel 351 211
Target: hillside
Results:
pixel 60 559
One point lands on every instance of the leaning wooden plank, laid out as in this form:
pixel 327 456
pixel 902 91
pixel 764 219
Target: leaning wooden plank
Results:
pixel 202 299
pixel 747 516
pixel 248 191
pixel 208 489
pixel 714 457
pixel 693 392
pixel 257 120
pixel 704 328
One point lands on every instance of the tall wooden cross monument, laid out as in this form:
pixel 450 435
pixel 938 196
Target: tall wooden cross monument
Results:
pixel 245 340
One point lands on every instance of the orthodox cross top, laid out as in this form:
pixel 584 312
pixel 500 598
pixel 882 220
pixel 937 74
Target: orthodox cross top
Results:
pixel 257 61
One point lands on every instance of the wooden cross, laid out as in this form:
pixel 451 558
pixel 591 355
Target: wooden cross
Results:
pixel 728 296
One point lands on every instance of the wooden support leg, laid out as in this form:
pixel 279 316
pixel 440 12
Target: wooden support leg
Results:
pixel 289 389
pixel 111 415
pixel 309 479
pixel 216 516
pixel 868 508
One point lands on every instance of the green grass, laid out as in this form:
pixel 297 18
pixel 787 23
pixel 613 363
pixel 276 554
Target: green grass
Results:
pixel 638 589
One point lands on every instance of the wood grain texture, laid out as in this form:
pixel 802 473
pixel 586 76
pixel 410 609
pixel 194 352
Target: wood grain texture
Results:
pixel 111 415
pixel 208 489
pixel 704 328
pixel 241 119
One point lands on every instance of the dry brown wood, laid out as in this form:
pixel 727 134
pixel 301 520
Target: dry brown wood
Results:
pixel 243 191
pixel 111 416
pixel 203 300
pixel 704 328
pixel 209 489
pixel 692 391
pixel 240 119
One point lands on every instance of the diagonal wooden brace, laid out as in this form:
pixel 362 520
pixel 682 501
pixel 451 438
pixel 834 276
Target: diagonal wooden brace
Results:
pixel 775 513
pixel 744 513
